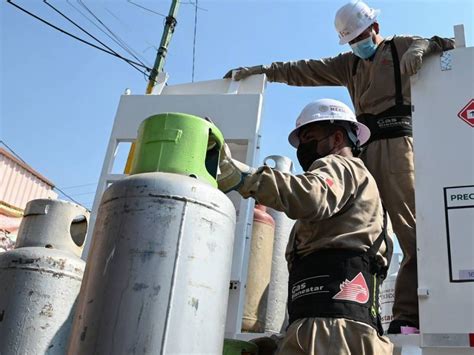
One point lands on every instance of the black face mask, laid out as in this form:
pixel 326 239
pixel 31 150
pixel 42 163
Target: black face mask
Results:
pixel 307 153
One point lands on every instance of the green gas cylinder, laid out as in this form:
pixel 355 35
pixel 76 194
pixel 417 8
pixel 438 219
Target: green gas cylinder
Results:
pixel 239 347
pixel 178 143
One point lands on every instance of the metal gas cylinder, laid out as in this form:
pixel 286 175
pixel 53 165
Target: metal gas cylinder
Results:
pixel 387 291
pixel 278 289
pixel 259 271
pixel 40 279
pixel 158 273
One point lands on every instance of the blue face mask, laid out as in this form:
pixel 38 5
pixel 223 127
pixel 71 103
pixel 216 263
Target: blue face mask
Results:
pixel 364 49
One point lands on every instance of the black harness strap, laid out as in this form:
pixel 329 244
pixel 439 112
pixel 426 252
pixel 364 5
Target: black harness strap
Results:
pixel 396 70
pixel 354 65
pixel 396 120
pixel 398 75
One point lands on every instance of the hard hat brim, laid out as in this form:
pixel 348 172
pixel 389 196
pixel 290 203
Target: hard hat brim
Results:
pixel 363 132
pixel 348 38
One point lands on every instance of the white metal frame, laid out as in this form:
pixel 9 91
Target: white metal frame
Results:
pixel 443 146
pixel 236 108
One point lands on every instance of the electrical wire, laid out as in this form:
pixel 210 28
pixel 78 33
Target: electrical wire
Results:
pixel 86 32
pixel 145 8
pixel 13 152
pixel 100 29
pixel 69 197
pixel 117 39
pixel 82 185
pixel 78 38
pixel 84 193
pixel 192 3
pixel 194 39
pixel 54 187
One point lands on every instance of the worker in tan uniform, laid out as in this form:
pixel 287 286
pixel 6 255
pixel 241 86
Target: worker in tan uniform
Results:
pixel 377 74
pixel 338 251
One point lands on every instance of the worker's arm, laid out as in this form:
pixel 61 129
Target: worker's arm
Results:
pixel 315 195
pixel 334 71
pixel 312 72
pixel 412 59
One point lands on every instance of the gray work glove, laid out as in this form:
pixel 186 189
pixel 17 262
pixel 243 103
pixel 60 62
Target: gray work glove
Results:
pixel 232 172
pixel 413 57
pixel 244 72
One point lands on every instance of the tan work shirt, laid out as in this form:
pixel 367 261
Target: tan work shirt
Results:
pixel 336 204
pixel 372 88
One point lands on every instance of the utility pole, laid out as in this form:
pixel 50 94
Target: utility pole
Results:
pixel 168 31
pixel 163 50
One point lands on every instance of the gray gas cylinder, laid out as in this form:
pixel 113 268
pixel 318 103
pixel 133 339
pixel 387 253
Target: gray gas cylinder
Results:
pixel 158 273
pixel 278 288
pixel 40 279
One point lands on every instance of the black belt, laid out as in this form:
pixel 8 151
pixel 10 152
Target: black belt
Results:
pixel 392 123
pixel 337 283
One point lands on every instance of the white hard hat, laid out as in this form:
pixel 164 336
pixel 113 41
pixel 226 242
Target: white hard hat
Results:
pixel 331 111
pixel 352 19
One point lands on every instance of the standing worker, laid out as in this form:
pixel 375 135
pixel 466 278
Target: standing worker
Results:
pixel 377 74
pixel 338 251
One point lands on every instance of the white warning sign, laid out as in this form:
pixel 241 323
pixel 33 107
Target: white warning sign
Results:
pixel 459 206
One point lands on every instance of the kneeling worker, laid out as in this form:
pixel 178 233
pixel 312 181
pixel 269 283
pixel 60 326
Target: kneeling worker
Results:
pixel 338 250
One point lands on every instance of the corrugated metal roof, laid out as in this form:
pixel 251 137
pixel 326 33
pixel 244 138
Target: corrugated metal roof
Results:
pixel 25 166
pixel 19 183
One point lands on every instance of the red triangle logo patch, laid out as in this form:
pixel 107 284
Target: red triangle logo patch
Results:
pixel 355 290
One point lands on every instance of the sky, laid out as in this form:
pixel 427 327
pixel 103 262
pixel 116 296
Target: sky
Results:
pixel 58 97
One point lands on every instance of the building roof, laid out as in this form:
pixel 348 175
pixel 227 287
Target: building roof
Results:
pixel 25 166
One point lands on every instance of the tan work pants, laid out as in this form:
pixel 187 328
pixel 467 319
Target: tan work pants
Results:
pixel 391 163
pixel 333 336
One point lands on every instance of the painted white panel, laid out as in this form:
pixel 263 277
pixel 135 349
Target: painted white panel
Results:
pixel 444 163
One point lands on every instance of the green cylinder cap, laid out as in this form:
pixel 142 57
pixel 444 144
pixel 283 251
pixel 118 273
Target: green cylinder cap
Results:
pixel 178 143
pixel 239 347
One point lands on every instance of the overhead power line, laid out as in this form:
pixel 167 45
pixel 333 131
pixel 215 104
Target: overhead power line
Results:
pixel 86 32
pixel 114 37
pixel 21 159
pixel 81 185
pixel 80 39
pixel 145 8
pixel 194 39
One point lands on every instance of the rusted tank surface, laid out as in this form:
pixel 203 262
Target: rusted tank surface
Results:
pixel 278 288
pixel 40 279
pixel 158 272
pixel 259 271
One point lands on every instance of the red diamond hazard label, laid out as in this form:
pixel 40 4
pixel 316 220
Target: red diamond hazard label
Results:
pixel 467 113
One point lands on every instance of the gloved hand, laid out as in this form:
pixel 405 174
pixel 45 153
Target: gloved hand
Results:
pixel 413 57
pixel 244 72
pixel 266 345
pixel 232 172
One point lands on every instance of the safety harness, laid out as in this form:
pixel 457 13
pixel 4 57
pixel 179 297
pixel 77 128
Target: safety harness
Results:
pixel 395 121
pixel 338 283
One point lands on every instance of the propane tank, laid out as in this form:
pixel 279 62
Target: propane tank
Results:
pixel 259 271
pixel 158 273
pixel 278 289
pixel 387 291
pixel 40 279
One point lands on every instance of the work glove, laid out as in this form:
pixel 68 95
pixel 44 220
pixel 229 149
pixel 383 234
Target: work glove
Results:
pixel 232 172
pixel 266 345
pixel 244 72
pixel 413 57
